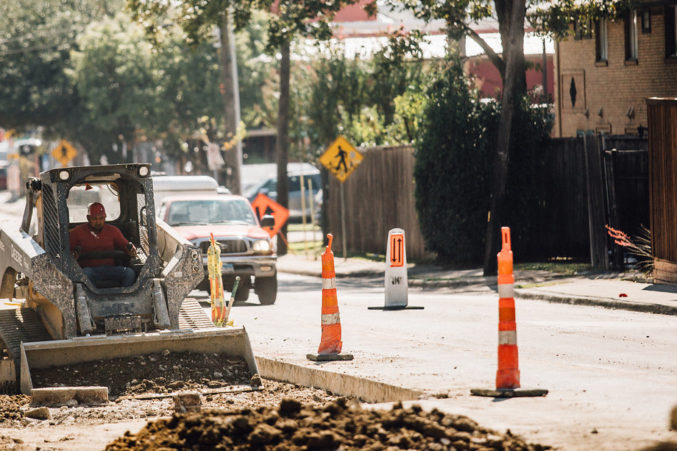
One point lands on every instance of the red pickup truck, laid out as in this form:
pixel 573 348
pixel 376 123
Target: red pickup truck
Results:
pixel 246 249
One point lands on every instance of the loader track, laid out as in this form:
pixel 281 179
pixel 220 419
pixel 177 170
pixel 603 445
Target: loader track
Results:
pixel 20 324
pixel 193 316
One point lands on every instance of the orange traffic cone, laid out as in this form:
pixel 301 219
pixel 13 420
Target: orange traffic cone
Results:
pixel 330 344
pixel 508 373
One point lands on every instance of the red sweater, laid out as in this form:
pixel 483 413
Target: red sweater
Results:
pixel 108 239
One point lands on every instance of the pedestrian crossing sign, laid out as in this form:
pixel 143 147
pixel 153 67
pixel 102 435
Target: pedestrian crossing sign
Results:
pixel 341 158
pixel 64 152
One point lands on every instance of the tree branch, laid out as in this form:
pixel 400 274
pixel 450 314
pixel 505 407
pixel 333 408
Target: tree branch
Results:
pixel 493 56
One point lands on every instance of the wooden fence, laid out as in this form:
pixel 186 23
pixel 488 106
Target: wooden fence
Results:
pixel 585 186
pixel 662 122
pixel 379 196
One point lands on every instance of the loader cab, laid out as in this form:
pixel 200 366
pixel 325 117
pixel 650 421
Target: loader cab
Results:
pixel 127 195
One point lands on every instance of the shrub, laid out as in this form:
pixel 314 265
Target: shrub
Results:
pixel 451 169
pixel 454 154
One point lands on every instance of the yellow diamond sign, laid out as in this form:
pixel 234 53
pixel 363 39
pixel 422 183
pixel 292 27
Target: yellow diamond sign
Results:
pixel 64 152
pixel 341 158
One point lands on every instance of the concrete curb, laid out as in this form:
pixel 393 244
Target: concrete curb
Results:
pixel 61 395
pixel 341 384
pixel 609 303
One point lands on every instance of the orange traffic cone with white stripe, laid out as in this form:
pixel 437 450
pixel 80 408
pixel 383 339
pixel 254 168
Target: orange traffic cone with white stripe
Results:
pixel 330 344
pixel 508 373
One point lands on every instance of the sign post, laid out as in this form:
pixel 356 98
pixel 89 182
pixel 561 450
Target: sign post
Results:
pixel 341 159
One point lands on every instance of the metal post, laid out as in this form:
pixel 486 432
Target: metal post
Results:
pixel 343 224
pixel 303 215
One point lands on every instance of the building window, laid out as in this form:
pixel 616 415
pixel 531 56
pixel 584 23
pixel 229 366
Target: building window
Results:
pixel 671 31
pixel 646 20
pixel 582 30
pixel 601 41
pixel 631 36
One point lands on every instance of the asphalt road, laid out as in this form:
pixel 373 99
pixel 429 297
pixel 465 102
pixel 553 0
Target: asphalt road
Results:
pixel 612 374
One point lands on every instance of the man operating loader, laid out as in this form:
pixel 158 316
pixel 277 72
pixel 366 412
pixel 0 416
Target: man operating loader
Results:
pixel 92 245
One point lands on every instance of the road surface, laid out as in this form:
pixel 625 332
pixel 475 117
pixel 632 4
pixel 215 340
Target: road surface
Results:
pixel 612 374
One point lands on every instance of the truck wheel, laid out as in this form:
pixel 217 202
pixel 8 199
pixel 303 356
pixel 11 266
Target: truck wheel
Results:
pixel 243 290
pixel 266 289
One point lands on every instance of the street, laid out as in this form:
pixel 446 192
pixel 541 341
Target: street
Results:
pixel 612 374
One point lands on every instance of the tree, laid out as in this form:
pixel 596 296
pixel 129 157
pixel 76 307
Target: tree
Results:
pixel 116 82
pixel 309 19
pixel 199 19
pixel 459 15
pixel 549 17
pixel 293 18
pixel 36 37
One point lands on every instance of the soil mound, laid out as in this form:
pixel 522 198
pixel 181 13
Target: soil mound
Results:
pixel 339 424
pixel 163 372
pixel 10 407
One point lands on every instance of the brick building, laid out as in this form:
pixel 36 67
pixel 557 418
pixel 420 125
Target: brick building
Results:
pixel 604 76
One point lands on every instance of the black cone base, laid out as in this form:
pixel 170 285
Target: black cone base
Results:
pixel 508 392
pixel 408 307
pixel 328 357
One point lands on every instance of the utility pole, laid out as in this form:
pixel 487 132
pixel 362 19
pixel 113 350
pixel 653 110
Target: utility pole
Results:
pixel 231 100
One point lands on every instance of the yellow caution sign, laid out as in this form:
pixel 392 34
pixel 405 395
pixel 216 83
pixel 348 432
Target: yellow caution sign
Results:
pixel 341 158
pixel 64 152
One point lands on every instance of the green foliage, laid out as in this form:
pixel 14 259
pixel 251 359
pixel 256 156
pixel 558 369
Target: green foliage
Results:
pixel 257 76
pixel 453 168
pixel 555 18
pixel 36 37
pixel 116 83
pixel 372 102
pixel 187 98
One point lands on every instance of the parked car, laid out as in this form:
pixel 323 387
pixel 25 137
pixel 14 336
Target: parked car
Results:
pixel 269 188
pixel 246 249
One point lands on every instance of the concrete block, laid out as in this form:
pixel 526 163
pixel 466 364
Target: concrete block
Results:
pixel 62 395
pixel 187 402
pixel 41 413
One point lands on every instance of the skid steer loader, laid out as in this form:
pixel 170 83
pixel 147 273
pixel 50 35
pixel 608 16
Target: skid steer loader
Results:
pixel 62 317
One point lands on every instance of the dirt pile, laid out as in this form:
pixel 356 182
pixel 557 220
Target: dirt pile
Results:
pixel 339 424
pixel 10 407
pixel 13 407
pixel 164 372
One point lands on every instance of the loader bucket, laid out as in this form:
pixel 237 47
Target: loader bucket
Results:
pixel 230 342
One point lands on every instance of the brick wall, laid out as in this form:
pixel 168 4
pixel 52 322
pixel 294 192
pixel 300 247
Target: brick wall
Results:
pixel 613 88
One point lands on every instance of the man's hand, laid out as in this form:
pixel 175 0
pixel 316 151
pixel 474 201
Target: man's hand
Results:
pixel 76 252
pixel 131 250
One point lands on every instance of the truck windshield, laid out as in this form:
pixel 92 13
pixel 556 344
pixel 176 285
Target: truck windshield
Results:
pixel 211 211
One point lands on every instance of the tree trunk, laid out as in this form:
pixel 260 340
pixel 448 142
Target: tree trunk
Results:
pixel 282 142
pixel 511 26
pixel 229 89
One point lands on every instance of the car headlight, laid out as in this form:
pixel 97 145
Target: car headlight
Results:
pixel 262 247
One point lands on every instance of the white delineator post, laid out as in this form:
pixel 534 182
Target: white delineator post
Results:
pixel 396 283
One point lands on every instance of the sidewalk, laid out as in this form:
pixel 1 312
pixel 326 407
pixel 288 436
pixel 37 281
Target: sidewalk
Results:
pixel 609 290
